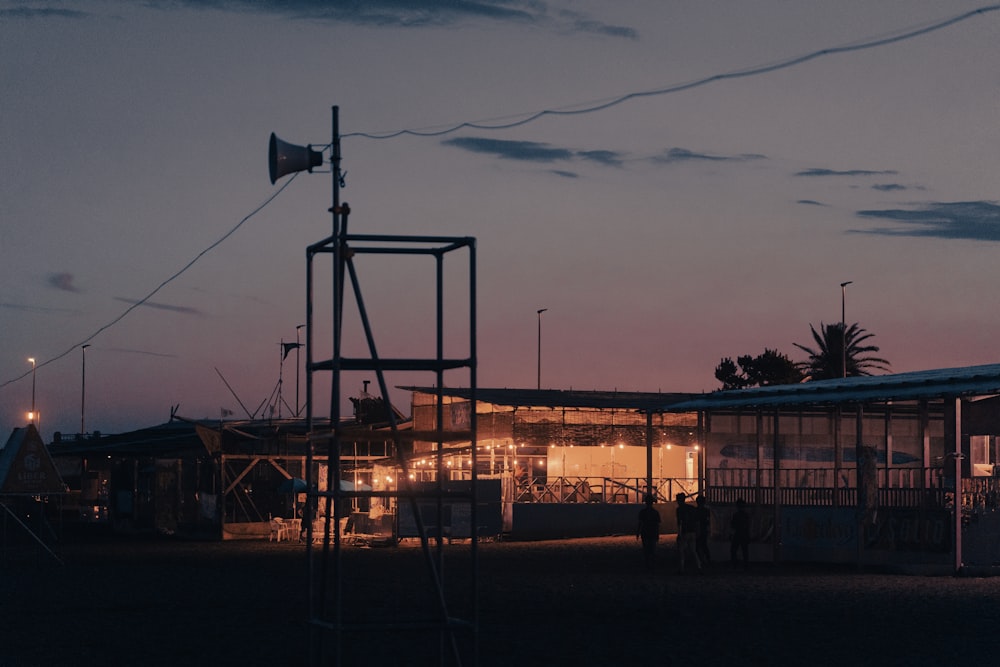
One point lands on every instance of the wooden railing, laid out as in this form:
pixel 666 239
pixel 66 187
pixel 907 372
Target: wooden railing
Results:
pixel 599 489
pixel 825 487
pixel 898 487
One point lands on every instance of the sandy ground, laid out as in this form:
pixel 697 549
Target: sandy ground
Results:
pixel 576 602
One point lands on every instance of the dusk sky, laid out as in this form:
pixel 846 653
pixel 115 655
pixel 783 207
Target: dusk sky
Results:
pixel 728 167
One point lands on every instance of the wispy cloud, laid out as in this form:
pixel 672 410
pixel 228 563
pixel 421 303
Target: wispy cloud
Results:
pixel 974 220
pixel 41 13
pixel 62 281
pixel 607 158
pixel 816 171
pixel 582 23
pixel 131 351
pixel 24 308
pixel 672 155
pixel 417 13
pixel 533 151
pixel 810 202
pixel 530 151
pixel 186 310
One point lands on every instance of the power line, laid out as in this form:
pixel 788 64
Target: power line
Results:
pixel 533 116
pixel 676 88
pixel 163 284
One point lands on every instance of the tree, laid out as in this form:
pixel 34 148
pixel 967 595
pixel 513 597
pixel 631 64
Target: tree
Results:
pixel 765 369
pixel 826 361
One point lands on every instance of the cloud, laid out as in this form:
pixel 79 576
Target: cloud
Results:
pixel 974 220
pixel 62 281
pixel 565 174
pixel 533 151
pixel 810 202
pixel 161 306
pixel 607 158
pixel 888 187
pixel 581 23
pixel 143 352
pixel 33 309
pixel 41 13
pixel 672 155
pixel 850 172
pixel 418 13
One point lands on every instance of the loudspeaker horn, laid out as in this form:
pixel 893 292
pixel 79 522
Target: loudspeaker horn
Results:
pixel 285 158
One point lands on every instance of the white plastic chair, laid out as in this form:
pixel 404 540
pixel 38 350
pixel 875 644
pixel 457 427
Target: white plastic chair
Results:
pixel 279 530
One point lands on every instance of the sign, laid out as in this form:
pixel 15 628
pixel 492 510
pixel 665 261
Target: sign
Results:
pixel 26 467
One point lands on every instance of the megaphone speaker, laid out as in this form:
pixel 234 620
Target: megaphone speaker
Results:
pixel 285 158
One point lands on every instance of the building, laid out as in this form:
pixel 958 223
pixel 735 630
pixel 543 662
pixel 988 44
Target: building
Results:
pixel 209 480
pixel 891 469
pixel 571 463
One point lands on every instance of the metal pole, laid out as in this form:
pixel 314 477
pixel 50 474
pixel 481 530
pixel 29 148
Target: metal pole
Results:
pixel 83 390
pixel 540 311
pixel 957 498
pixel 298 346
pixel 843 329
pixel 33 416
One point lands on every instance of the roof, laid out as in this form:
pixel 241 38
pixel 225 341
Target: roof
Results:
pixel 559 398
pixel 931 384
pixel 181 437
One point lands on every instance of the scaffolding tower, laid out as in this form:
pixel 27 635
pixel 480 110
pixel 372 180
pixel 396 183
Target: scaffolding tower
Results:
pixel 438 623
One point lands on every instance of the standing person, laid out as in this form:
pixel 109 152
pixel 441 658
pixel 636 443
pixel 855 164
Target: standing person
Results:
pixel 704 516
pixel 648 530
pixel 687 534
pixel 739 527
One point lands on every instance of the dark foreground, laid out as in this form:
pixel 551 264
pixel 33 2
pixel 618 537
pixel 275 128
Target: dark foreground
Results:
pixel 580 602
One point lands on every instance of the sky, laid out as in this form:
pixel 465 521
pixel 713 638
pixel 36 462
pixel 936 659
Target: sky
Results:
pixel 673 182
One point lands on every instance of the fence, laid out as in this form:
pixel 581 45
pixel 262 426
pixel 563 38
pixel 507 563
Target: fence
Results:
pixel 599 489
pixel 897 487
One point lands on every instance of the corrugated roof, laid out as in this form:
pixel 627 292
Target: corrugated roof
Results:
pixel 939 383
pixel 559 398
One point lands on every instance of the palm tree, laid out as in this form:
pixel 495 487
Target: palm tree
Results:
pixel 827 360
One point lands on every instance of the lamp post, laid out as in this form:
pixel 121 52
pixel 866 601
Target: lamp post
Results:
pixel 540 311
pixel 843 328
pixel 298 346
pixel 31 415
pixel 83 388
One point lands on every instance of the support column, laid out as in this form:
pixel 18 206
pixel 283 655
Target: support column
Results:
pixel 957 460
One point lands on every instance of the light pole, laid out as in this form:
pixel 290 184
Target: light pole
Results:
pixel 540 311
pixel 843 328
pixel 298 346
pixel 83 388
pixel 31 415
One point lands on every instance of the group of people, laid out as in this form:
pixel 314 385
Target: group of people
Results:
pixel 694 523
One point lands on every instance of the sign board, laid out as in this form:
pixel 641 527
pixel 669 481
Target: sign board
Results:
pixel 26 469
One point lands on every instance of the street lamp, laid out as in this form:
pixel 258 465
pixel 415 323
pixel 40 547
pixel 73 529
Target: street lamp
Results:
pixel 298 346
pixel 540 311
pixel 843 327
pixel 83 388
pixel 31 415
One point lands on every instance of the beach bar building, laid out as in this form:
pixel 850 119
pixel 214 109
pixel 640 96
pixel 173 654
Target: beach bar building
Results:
pixel 898 469
pixel 570 463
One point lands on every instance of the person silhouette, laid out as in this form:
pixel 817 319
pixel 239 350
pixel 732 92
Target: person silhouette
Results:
pixel 687 534
pixel 648 530
pixel 704 518
pixel 739 527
